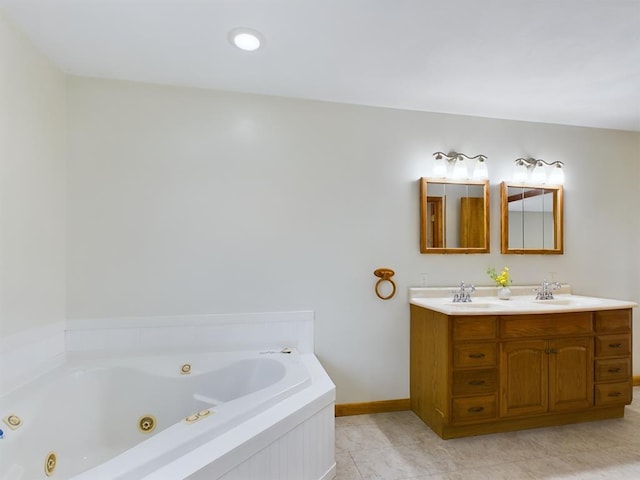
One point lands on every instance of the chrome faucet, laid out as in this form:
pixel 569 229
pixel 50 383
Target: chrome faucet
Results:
pixel 463 294
pixel 545 292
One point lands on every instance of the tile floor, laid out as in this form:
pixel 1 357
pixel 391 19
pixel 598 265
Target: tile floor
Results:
pixel 398 446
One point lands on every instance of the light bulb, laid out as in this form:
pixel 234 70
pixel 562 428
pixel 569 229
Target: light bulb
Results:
pixel 538 176
pixel 557 175
pixel 480 172
pixel 460 171
pixel 440 168
pixel 520 172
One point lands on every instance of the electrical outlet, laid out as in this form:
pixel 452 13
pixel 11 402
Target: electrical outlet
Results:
pixel 424 279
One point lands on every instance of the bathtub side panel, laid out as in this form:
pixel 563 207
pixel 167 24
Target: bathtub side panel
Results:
pixel 304 453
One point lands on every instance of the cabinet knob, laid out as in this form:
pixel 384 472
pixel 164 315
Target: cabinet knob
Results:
pixel 476 382
pixel 476 355
pixel 475 409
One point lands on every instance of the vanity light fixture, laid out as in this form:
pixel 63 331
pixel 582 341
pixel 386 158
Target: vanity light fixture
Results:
pixel 460 170
pixel 536 171
pixel 246 39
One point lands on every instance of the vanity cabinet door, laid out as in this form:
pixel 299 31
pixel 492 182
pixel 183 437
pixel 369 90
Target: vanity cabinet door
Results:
pixel 570 373
pixel 540 376
pixel 524 378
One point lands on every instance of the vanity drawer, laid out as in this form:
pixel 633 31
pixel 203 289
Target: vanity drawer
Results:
pixel 613 320
pixel 611 370
pixel 470 382
pixel 474 328
pixel 613 345
pixel 474 408
pixel 467 355
pixel 613 393
pixel 540 325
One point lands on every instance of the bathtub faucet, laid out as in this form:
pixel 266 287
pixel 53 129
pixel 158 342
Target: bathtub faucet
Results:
pixel 463 294
pixel 545 292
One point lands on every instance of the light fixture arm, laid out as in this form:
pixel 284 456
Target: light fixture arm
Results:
pixel 532 162
pixel 453 156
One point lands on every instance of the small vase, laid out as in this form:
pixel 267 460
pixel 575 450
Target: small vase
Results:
pixel 504 293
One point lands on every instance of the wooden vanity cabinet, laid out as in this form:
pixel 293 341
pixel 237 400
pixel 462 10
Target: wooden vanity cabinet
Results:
pixel 480 374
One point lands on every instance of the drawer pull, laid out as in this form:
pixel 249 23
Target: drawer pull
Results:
pixel 615 345
pixel 614 370
pixel 614 394
pixel 476 355
pixel 476 382
pixel 475 409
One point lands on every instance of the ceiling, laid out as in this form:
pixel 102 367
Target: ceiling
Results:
pixel 574 62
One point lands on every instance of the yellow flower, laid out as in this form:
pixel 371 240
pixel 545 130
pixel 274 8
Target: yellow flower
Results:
pixel 503 279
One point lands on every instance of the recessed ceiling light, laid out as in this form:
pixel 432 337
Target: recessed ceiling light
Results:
pixel 246 39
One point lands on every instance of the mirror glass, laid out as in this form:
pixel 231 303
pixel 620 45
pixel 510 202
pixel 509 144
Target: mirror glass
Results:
pixel 531 219
pixel 454 216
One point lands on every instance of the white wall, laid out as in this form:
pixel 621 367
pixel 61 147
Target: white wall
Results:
pixel 32 186
pixel 194 201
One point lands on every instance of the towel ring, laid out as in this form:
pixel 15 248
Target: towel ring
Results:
pixel 385 275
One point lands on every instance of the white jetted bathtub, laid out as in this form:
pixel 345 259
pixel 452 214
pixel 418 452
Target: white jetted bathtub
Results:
pixel 172 416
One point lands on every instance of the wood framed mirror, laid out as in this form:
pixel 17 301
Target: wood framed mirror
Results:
pixel 531 219
pixel 454 216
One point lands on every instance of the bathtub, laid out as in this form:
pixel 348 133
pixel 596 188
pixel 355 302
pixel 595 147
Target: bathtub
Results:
pixel 171 416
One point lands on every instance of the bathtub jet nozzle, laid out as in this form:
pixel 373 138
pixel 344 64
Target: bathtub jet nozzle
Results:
pixel 13 421
pixel 147 423
pixel 50 464
pixel 198 416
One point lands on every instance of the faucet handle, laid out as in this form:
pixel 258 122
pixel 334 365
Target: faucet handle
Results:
pixel 465 292
pixel 458 295
pixel 545 292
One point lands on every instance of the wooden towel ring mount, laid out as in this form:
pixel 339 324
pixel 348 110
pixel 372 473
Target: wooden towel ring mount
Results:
pixel 385 275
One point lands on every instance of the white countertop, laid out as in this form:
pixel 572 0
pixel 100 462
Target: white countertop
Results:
pixel 523 302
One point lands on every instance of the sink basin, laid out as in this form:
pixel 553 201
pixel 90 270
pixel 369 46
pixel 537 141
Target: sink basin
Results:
pixel 473 305
pixel 557 301
pixel 577 302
